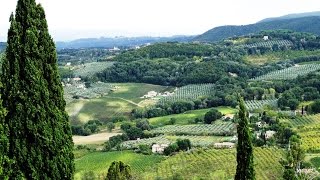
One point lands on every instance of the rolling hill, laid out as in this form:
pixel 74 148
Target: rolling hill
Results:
pixel 105 42
pixel 303 24
pixel 292 16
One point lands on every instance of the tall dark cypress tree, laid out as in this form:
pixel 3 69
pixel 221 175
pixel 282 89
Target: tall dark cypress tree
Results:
pixel 40 141
pixel 245 166
pixel 4 144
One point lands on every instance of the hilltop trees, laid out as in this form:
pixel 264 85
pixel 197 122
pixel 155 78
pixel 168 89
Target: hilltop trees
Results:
pixel 40 141
pixel 245 166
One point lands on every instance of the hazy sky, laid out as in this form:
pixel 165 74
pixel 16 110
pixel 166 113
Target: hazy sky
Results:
pixel 71 19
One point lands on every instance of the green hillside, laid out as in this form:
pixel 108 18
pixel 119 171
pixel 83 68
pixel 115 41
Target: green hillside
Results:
pixel 304 24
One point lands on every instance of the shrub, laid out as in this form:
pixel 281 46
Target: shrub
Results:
pixel 171 149
pixel 211 116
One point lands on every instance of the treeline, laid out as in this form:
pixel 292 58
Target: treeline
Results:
pixel 166 50
pixel 78 56
pixel 168 72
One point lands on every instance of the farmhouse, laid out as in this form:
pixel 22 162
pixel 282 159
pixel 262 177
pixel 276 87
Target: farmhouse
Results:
pixel 77 79
pixel 265 38
pixel 150 94
pixel 159 148
pixel 224 145
pixel 68 64
pixel 269 134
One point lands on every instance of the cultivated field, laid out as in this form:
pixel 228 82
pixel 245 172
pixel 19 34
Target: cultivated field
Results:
pixel 310 138
pixel 188 116
pixel 99 162
pixel 217 164
pixel 90 69
pixel 217 129
pixel 190 92
pixel 258 104
pixel 289 73
pixel 303 120
pixel 270 44
pixel 279 55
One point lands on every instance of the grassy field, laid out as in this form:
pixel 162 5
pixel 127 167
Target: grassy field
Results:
pixel 133 91
pixel 278 56
pixel 217 164
pixel 188 116
pixel 98 162
pixel 120 102
pixel 83 110
pixel 99 138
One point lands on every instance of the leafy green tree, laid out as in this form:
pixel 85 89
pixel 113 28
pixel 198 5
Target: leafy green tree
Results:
pixel 110 126
pixel 40 141
pixel 143 124
pixel 171 149
pixel 184 144
pixel 119 171
pixel 211 116
pixel 315 107
pixel 245 166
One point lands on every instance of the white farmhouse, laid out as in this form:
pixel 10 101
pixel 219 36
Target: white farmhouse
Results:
pixel 68 64
pixel 224 145
pixel 265 38
pixel 150 94
pixel 77 79
pixel 159 148
pixel 269 134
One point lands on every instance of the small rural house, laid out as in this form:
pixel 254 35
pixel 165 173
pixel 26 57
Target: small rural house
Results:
pixel 159 148
pixel 76 79
pixel 150 94
pixel 265 38
pixel 269 134
pixel 224 145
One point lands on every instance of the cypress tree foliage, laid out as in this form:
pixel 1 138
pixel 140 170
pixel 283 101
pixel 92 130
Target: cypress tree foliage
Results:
pixel 4 144
pixel 118 171
pixel 40 140
pixel 245 166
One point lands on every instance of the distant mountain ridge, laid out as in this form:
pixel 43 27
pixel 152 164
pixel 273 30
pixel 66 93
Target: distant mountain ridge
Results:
pixel 2 46
pixel 119 41
pixel 303 24
pixel 292 16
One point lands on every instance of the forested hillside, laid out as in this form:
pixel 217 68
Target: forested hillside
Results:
pixel 304 24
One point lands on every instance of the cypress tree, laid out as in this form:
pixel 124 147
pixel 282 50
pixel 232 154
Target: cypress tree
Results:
pixel 39 134
pixel 3 144
pixel 245 166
